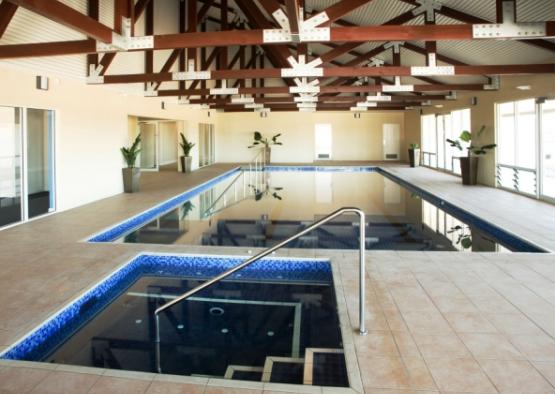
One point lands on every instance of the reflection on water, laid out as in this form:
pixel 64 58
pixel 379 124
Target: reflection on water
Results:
pixel 263 208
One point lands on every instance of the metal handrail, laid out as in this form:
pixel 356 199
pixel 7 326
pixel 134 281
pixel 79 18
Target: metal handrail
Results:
pixel 216 279
pixel 242 173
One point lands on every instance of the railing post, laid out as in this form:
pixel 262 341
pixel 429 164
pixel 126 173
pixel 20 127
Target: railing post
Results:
pixel 362 274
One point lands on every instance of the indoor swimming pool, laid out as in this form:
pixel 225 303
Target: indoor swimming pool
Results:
pixel 275 321
pixel 262 208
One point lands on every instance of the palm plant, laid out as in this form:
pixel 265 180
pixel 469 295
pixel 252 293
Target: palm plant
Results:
pixel 466 136
pixel 130 154
pixel 186 145
pixel 259 140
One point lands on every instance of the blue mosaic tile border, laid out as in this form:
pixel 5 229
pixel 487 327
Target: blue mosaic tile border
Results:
pixel 55 331
pixel 122 228
pixel 322 168
pixel 498 234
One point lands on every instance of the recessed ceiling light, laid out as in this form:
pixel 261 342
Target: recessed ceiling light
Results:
pixel 524 87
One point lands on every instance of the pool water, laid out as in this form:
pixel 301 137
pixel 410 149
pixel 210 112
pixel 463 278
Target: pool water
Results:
pixel 260 209
pixel 231 323
pixel 274 321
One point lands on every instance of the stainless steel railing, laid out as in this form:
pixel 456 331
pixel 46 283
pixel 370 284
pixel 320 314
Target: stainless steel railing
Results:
pixel 216 279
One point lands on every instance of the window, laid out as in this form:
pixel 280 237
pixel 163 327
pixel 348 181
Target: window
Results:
pixel 526 147
pixel 517 146
pixel 429 141
pixel 437 153
pixel 322 141
pixel 548 149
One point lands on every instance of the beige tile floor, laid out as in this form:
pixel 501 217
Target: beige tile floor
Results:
pixel 439 321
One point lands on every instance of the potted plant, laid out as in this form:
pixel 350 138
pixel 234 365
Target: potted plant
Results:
pixel 131 174
pixel 469 164
pixel 259 140
pixel 414 155
pixel 186 160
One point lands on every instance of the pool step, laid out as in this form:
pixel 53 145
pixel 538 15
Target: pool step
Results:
pixel 325 367
pixel 244 372
pixel 283 370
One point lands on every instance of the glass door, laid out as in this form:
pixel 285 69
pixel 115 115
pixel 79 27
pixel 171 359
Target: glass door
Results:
pixel 207 151
pixel 39 161
pixel 548 149
pixel 11 162
pixel 149 146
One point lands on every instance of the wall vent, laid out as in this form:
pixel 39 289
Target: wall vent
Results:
pixel 392 156
pixel 323 156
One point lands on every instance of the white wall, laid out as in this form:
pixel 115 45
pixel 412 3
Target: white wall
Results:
pixel 168 142
pixel 353 139
pixel 91 126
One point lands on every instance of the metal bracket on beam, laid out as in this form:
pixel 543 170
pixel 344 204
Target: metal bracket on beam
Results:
pixel 397 87
pixel 366 104
pixel 308 30
pixel 242 100
pixel 429 7
pixel 303 69
pixel 191 75
pixel 378 98
pixel 510 28
pixel 121 43
pixel 495 83
pixel 304 89
pixel 150 90
pixel 437 70
pixel 396 45
pixel 224 90
pixel 452 96
pixel 95 77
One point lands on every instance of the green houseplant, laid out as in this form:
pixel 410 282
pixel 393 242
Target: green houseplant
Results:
pixel 131 174
pixel 266 143
pixel 469 163
pixel 414 155
pixel 186 159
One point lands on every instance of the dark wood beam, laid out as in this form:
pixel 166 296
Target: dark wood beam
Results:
pixel 7 11
pixel 293 13
pixel 67 16
pixel 192 23
pixel 326 89
pixel 92 11
pixel 334 72
pixel 149 30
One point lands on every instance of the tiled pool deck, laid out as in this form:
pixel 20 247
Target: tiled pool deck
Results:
pixel 439 322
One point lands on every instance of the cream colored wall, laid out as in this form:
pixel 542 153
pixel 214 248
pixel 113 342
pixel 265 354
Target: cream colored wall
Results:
pixel 484 113
pixel 91 125
pixel 353 139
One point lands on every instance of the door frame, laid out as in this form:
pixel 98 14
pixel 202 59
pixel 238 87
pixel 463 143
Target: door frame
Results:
pixel 156 145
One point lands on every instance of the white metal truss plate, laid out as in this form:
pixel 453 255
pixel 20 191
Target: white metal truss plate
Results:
pixel 509 30
pixel 95 79
pixel 306 105
pixel 305 99
pixel 121 43
pixel 300 71
pixel 254 106
pixel 146 42
pixel 151 93
pixel 276 35
pixel 316 20
pixel 438 70
pixel 378 98
pixel 366 104
pixel 191 75
pixel 398 88
pixel 316 34
pixel 224 91
pixel 304 89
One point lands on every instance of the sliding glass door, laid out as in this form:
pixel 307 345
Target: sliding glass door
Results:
pixel 206 138
pixel 40 162
pixel 26 164
pixel 11 161
pixel 548 149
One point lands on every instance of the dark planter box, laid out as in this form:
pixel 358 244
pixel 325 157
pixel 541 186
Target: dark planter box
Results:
pixel 469 170
pixel 414 157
